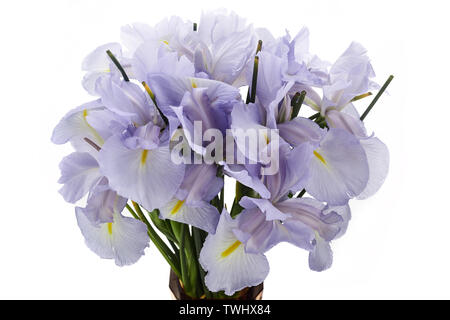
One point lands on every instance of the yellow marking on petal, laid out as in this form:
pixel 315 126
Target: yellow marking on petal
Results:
pixel 165 41
pixel 110 227
pixel 194 85
pixel 267 138
pixel 231 249
pixel 144 156
pixel 93 131
pixel 319 156
pixel 177 206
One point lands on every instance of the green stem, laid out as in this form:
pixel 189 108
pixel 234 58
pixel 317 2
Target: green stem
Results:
pixel 198 246
pixel 157 241
pixel 183 262
pixel 374 101
pixel 118 65
pixel 314 116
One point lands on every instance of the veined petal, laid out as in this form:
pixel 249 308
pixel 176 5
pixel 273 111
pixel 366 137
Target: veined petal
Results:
pixel 201 215
pixel 241 174
pixel 339 168
pixel 341 120
pixel 98 60
pixel 301 130
pixel 378 159
pixel 102 203
pixel 149 177
pixel 126 99
pixel 200 183
pixel 79 174
pixel 228 266
pixel 311 213
pixel 260 235
pixel 321 257
pixel 74 127
pixel 266 207
pixel 123 240
pixel 230 55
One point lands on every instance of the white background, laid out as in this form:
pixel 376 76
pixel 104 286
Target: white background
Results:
pixel 397 244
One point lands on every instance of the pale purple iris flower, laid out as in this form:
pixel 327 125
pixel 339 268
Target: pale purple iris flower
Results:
pixel 150 177
pixel 106 231
pixel 300 221
pixel 191 203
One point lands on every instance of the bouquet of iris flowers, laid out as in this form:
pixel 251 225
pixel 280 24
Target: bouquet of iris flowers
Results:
pixel 179 107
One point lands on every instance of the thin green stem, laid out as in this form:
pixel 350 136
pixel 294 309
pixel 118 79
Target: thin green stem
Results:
pixel 157 241
pixel 198 246
pixel 132 212
pixel 374 101
pixel 254 80
pixel 183 262
pixel 314 116
pixel 118 65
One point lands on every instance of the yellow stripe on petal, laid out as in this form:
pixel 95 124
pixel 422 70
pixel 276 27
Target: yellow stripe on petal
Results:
pixel 231 249
pixel 94 132
pixel 110 227
pixel 319 156
pixel 144 157
pixel 177 207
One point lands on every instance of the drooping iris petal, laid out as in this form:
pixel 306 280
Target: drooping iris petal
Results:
pixel 259 234
pixel 200 183
pixel 74 127
pixel 378 159
pixel 339 168
pixel 250 135
pixel 311 213
pixel 301 130
pixel 321 257
pixel 123 240
pixel 293 171
pixel 102 203
pixel 228 266
pixel 79 174
pixel 245 176
pixel 148 177
pixel 201 215
pixel 266 207
pixel 376 151
pixel 342 120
